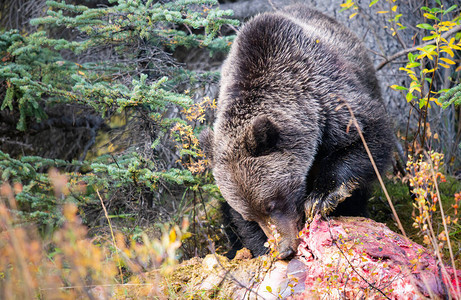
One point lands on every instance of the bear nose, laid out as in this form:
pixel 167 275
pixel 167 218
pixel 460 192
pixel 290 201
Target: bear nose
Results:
pixel 287 254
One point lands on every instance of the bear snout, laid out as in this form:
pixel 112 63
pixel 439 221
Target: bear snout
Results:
pixel 288 245
pixel 286 229
pixel 288 252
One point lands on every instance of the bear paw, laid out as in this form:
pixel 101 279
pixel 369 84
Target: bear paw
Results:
pixel 326 203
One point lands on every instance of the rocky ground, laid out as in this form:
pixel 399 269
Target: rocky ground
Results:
pixel 339 258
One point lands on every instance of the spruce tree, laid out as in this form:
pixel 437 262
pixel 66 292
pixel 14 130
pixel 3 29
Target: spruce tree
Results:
pixel 118 63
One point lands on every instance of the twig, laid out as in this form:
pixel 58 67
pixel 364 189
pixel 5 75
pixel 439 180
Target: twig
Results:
pixel 8 141
pixel 272 5
pixel 381 182
pixel 112 234
pixel 94 285
pixel 445 226
pixel 396 32
pixel 426 107
pixel 406 132
pixel 441 265
pixel 350 263
pixel 412 49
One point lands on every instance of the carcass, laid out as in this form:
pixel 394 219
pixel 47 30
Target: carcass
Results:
pixel 337 258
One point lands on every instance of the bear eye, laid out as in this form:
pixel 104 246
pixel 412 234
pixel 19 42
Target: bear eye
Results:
pixel 270 207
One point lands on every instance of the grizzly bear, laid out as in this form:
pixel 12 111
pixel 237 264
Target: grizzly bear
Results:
pixel 283 147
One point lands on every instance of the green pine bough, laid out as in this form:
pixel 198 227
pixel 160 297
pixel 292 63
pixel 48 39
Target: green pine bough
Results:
pixel 38 202
pixel 36 73
pixel 452 96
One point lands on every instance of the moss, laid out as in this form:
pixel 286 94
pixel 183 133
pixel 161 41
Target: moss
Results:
pixel 380 211
pixel 400 194
pixel 209 279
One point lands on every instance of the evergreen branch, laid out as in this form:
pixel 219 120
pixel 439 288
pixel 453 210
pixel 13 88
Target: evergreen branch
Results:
pixel 452 96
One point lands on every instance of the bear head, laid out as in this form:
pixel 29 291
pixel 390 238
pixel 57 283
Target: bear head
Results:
pixel 261 176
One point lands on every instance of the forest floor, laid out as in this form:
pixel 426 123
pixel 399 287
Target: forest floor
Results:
pixel 216 277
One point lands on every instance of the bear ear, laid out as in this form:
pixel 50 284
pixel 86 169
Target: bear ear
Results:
pixel 263 138
pixel 206 143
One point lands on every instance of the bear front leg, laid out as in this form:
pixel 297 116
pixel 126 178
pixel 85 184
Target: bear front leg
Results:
pixel 340 174
pixel 243 233
pixel 326 201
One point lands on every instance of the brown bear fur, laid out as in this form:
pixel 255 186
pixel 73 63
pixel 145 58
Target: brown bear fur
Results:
pixel 282 144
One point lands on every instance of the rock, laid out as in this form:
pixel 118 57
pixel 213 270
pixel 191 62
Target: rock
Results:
pixel 243 253
pixel 211 262
pixel 272 284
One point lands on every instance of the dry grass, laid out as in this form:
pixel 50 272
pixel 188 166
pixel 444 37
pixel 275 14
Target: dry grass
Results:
pixel 70 265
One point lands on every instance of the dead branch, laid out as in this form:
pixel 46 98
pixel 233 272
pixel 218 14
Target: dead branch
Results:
pixel 353 121
pixel 406 51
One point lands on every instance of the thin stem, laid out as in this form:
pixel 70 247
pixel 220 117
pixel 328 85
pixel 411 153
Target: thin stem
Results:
pixel 112 234
pixel 450 249
pixel 381 182
pixel 423 138
pixel 351 265
pixel 437 250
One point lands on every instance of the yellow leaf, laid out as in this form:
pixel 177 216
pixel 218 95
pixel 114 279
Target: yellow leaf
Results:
pixel 186 235
pixel 425 71
pixel 81 73
pixel 447 60
pixel 445 66
pixel 414 86
pixel 447 23
pixel 382 12
pixel 447 50
pixel 421 56
pixel 348 4
pixel 352 15
pixel 394 8
pixel 172 235
pixel 396 87
pixel 407 70
pixel 427 38
pixel 429 56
